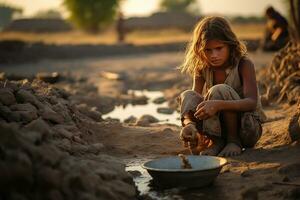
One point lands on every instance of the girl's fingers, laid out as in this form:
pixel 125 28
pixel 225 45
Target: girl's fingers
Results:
pixel 200 105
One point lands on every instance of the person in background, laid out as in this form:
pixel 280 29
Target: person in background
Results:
pixel 277 34
pixel 120 28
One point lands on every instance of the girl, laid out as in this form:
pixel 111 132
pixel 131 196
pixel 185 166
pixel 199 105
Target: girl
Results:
pixel 228 116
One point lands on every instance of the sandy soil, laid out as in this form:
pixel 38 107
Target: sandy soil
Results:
pixel 269 171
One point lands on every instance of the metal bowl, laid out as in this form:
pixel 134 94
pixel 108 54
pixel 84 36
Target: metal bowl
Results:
pixel 167 172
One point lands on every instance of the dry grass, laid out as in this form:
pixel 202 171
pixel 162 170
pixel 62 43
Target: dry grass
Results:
pixel 249 31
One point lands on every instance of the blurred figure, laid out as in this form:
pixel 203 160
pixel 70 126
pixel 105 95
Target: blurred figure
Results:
pixel 120 27
pixel 277 34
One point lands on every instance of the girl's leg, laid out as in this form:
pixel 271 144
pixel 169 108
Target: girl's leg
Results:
pixel 230 124
pixel 222 127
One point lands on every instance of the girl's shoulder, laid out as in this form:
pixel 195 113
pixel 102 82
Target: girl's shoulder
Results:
pixel 245 61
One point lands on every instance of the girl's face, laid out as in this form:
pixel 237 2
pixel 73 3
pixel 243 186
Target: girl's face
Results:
pixel 216 53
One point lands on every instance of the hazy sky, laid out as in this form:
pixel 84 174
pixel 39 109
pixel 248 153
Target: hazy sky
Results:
pixel 145 7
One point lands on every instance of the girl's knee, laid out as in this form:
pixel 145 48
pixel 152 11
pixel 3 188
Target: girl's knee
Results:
pixel 219 88
pixel 190 94
pixel 222 92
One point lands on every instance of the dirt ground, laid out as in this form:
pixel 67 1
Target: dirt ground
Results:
pixel 268 171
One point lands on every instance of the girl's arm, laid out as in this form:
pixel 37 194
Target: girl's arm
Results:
pixel 207 109
pixel 248 78
pixel 198 83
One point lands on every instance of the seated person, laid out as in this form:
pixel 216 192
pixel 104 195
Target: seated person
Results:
pixel 277 34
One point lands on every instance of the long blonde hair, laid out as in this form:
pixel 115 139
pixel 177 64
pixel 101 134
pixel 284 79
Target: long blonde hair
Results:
pixel 210 28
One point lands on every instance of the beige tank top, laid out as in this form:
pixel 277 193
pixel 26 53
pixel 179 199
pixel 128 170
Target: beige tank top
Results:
pixel 234 81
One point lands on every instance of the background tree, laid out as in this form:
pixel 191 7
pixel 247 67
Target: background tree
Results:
pixel 189 6
pixel 6 14
pixel 295 19
pixel 48 14
pixel 92 15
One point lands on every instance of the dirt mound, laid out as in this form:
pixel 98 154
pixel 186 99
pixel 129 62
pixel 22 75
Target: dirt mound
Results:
pixel 45 148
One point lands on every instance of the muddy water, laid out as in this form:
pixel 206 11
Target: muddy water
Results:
pixel 137 111
pixel 148 191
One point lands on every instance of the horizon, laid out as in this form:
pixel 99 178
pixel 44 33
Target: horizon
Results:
pixel 133 8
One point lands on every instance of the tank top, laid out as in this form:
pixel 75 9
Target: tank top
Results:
pixel 233 80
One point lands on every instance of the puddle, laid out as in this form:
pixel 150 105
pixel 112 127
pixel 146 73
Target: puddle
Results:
pixel 137 111
pixel 147 191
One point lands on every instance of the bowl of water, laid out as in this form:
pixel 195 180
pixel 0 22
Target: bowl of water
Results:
pixel 171 172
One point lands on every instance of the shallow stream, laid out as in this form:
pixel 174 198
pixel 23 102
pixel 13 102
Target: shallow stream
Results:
pixel 122 113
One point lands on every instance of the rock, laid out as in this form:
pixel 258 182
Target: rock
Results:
pixel 95 148
pixel 62 132
pixel 159 100
pixel 167 111
pixel 23 107
pixel 27 111
pixel 135 173
pixel 25 96
pixel 63 110
pixel 145 120
pixel 131 119
pixel 64 144
pixel 8 115
pixel 53 77
pixel 7 97
pixel 90 112
pixel 49 114
pixel 39 126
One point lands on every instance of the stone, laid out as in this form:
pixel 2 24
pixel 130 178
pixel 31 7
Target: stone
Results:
pixel 159 100
pixel 50 115
pixel 39 126
pixel 62 132
pixel 25 96
pixel 53 77
pixel 90 112
pixel 7 97
pixel 8 115
pixel 131 119
pixel 26 111
pixel 146 120
pixel 167 111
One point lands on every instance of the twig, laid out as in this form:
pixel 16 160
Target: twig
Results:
pixel 286 183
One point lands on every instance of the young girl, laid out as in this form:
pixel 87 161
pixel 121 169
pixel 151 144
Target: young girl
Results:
pixel 223 110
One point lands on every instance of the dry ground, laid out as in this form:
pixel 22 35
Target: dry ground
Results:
pixel 249 31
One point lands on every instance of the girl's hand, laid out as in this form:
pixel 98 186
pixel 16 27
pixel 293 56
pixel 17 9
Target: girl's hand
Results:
pixel 207 109
pixel 188 135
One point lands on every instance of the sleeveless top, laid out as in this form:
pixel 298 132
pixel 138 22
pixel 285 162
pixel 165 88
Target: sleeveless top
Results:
pixel 233 80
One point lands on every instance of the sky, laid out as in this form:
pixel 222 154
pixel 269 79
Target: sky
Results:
pixel 146 7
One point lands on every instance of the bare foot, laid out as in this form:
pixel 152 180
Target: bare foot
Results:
pixel 231 149
pixel 215 148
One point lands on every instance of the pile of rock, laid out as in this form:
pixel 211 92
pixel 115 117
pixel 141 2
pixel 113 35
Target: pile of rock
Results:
pixel 44 153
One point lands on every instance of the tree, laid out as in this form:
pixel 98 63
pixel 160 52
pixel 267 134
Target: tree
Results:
pixel 92 15
pixel 295 19
pixel 179 6
pixel 48 14
pixel 7 13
